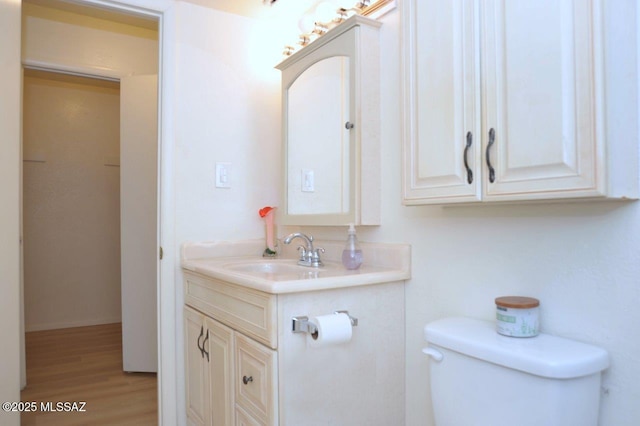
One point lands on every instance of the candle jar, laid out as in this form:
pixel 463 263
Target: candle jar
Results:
pixel 517 316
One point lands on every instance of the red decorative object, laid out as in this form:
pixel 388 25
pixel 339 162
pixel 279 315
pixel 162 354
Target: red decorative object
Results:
pixel 264 211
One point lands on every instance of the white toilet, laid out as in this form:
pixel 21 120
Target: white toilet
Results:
pixel 482 378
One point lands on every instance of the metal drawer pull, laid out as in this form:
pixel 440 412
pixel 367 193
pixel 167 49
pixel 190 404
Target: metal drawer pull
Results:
pixel 198 343
pixel 204 351
pixel 492 139
pixel 348 125
pixel 246 380
pixel 466 163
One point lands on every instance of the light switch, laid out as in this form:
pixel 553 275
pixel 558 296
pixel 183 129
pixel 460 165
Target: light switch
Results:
pixel 308 184
pixel 223 175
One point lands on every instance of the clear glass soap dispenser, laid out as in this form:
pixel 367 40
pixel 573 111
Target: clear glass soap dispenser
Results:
pixel 352 254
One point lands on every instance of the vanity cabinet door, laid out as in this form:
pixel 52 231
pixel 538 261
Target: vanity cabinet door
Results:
pixel 197 381
pixel 256 387
pixel 209 371
pixel 442 161
pixel 219 349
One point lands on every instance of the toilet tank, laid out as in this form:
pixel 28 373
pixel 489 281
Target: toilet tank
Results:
pixel 479 377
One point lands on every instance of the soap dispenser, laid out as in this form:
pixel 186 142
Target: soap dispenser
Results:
pixel 352 254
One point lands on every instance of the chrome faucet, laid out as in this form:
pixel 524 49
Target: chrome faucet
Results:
pixel 309 256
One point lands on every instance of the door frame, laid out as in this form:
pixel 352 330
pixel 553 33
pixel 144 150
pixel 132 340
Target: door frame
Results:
pixel 163 12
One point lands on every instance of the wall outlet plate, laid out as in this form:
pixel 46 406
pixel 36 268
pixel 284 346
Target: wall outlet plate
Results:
pixel 308 184
pixel 223 175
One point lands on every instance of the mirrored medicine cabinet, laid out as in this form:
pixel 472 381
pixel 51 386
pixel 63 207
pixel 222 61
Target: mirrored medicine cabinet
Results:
pixel 331 128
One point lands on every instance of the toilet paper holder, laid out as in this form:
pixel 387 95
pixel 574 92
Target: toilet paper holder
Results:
pixel 301 324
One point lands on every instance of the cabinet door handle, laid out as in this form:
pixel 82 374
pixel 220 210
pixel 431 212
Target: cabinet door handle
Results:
pixel 349 125
pixel 198 343
pixel 492 139
pixel 204 351
pixel 466 163
pixel 246 380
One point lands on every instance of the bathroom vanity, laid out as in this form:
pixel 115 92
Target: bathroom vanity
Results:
pixel 245 365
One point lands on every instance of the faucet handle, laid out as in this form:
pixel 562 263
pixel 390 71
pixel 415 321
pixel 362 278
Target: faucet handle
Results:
pixel 303 252
pixel 315 256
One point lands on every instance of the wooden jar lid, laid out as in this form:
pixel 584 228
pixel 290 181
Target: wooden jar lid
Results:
pixel 518 302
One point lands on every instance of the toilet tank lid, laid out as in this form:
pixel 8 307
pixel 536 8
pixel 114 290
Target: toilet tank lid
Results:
pixel 543 355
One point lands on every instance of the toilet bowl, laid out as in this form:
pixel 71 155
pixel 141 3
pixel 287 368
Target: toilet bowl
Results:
pixel 480 378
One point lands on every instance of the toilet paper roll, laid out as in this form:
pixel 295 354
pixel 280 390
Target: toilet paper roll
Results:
pixel 333 329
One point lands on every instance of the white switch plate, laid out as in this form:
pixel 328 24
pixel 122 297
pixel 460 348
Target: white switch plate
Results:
pixel 308 184
pixel 223 175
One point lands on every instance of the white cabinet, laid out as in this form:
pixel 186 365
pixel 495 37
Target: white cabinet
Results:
pixel 331 128
pixel 245 366
pixel 231 378
pixel 504 101
pixel 228 375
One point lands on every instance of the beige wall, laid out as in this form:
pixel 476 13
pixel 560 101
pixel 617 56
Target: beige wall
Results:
pixel 9 207
pixel 64 39
pixel 71 206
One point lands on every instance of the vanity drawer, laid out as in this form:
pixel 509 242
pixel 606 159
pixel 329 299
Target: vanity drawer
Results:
pixel 256 384
pixel 249 311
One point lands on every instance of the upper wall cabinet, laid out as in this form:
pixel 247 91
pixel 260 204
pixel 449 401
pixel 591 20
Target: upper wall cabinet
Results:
pixel 504 101
pixel 331 128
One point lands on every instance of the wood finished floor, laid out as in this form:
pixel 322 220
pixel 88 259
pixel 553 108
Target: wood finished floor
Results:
pixel 85 364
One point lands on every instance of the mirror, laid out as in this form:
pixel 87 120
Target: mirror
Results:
pixel 318 156
pixel 330 123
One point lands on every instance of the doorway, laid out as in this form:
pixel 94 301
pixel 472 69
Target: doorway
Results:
pixel 71 201
pixel 82 297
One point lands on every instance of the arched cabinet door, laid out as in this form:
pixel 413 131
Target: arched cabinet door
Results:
pixel 331 128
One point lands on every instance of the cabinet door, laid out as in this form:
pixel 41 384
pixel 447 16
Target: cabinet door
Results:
pixel 245 419
pixel 209 370
pixel 442 153
pixel 218 346
pixel 331 128
pixel 256 387
pixel 196 369
pixel 540 99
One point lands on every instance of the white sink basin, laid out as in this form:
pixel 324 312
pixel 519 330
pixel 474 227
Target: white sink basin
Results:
pixel 274 269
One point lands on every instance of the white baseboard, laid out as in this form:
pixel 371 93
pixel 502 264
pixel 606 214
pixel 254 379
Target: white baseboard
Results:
pixel 70 324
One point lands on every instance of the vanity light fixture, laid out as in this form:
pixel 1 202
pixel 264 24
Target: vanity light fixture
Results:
pixel 326 15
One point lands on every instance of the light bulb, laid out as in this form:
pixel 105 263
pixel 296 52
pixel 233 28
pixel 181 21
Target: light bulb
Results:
pixel 325 12
pixel 344 4
pixel 306 23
